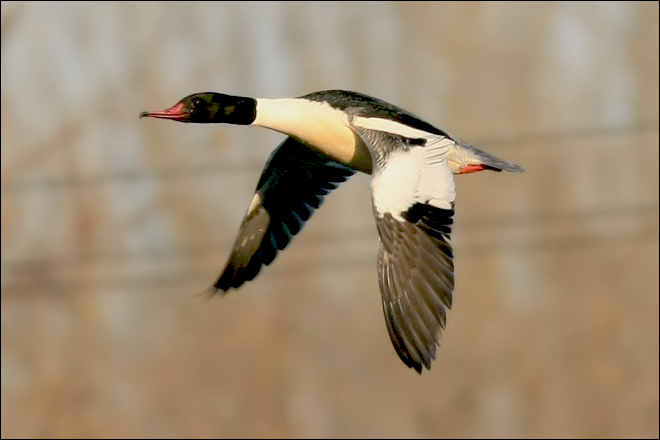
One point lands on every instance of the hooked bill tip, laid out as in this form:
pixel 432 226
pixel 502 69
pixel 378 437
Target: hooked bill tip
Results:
pixel 143 114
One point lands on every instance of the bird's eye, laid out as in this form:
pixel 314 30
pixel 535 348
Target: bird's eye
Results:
pixel 197 103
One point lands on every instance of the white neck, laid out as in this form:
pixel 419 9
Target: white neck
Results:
pixel 317 124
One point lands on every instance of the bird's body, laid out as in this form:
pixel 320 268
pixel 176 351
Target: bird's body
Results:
pixel 331 135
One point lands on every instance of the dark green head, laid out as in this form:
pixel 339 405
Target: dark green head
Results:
pixel 210 107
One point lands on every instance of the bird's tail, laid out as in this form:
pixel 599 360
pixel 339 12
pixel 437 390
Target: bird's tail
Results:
pixel 463 158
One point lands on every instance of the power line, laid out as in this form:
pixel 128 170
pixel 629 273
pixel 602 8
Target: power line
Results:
pixel 350 263
pixel 569 241
pixel 60 184
pixel 467 225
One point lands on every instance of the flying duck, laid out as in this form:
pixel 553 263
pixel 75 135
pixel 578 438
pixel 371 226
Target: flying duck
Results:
pixel 331 135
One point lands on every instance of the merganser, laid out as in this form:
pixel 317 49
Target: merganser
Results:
pixel 331 135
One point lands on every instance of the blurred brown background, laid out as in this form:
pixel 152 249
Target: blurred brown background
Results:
pixel 111 224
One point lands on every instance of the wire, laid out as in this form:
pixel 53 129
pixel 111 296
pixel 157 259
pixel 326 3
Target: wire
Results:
pixel 468 225
pixel 55 184
pixel 566 243
pixel 15 290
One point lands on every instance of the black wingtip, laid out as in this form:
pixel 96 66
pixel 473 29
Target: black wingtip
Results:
pixel 414 365
pixel 231 278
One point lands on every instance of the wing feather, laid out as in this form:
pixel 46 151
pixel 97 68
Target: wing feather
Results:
pixel 292 186
pixel 415 266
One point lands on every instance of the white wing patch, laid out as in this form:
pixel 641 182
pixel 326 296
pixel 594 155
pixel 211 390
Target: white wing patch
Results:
pixel 390 126
pixel 395 186
pixel 419 174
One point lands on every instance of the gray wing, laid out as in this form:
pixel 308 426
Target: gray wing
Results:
pixel 416 277
pixel 292 185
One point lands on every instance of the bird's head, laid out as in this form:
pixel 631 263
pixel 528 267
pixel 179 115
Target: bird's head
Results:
pixel 209 107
